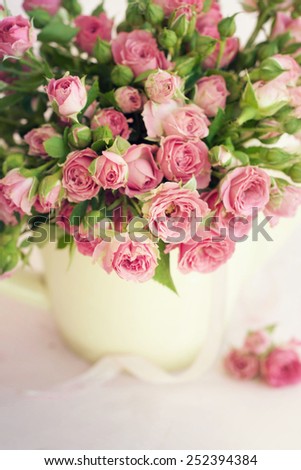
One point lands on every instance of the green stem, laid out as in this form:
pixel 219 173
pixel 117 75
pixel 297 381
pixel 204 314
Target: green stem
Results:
pixel 136 206
pixel 221 53
pixel 262 19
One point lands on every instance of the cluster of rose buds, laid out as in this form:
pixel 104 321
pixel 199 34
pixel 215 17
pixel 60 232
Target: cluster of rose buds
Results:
pixel 160 137
pixel 260 357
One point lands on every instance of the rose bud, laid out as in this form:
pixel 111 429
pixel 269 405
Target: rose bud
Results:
pixel 224 157
pixel 154 14
pixel 16 36
pixel 122 75
pixel 13 160
pixel 284 200
pixel 258 342
pixel 36 139
pixel 90 29
pixel 167 38
pixel 128 99
pixel 211 94
pixel 102 51
pixel 170 5
pixel 79 136
pixel 295 173
pixel 51 6
pixel 110 170
pixel 281 367
pixel 162 86
pixel 67 95
pixel 50 193
pixel 183 21
pixel 19 189
pixel 115 120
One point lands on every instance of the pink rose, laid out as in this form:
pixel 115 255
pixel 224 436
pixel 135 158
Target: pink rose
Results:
pixel 207 255
pixel 281 367
pixel 111 171
pixel 284 202
pixel 187 121
pixel 258 342
pixel 17 189
pixel 286 24
pixel 16 36
pixel 91 28
pixel 86 245
pixel 161 86
pixel 242 364
pixel 45 204
pixel 131 260
pixel 154 116
pixel 52 6
pixel 77 179
pixel 36 139
pixel 7 209
pixel 211 18
pixel 128 99
pixel 172 210
pixel 292 70
pixel 114 119
pixel 68 95
pixel 139 51
pixel 180 160
pixel 170 5
pixel 244 189
pixel 144 174
pixel 211 94
pixel 236 227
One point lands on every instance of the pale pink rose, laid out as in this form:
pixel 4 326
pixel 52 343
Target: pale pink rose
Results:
pixel 245 189
pixel 16 36
pixel 292 70
pixel 172 210
pixel 139 51
pixel 162 87
pixel 77 180
pixel 236 227
pixel 207 255
pixel 284 202
pixel 111 170
pixel 8 209
pixel 242 364
pixel 211 94
pixel 211 18
pixel 144 173
pixel 17 188
pixel 295 100
pixel 286 24
pixel 131 260
pixel 269 94
pixel 36 139
pixel 258 342
pixel 281 367
pixel 68 95
pixel 115 120
pixel 187 121
pixel 295 345
pixel 128 99
pixel 180 160
pixel 52 6
pixel 154 115
pixel 45 204
pixel 90 29
pixel 63 217
pixel 86 245
pixel 170 5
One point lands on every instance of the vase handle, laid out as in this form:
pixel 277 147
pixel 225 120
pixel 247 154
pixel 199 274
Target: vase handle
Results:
pixel 27 287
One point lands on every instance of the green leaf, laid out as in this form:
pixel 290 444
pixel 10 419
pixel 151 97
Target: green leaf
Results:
pixel 120 146
pixel 56 31
pixel 163 274
pixel 107 100
pixel 144 75
pixel 92 95
pixel 98 10
pixel 64 241
pixel 215 127
pixel 56 147
pixel 78 213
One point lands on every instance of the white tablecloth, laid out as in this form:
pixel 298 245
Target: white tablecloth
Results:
pixel 214 412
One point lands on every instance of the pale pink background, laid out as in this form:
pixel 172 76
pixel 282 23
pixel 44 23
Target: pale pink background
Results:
pixel 214 412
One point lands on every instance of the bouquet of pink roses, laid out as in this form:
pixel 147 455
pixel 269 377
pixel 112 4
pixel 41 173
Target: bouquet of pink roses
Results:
pixel 158 135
